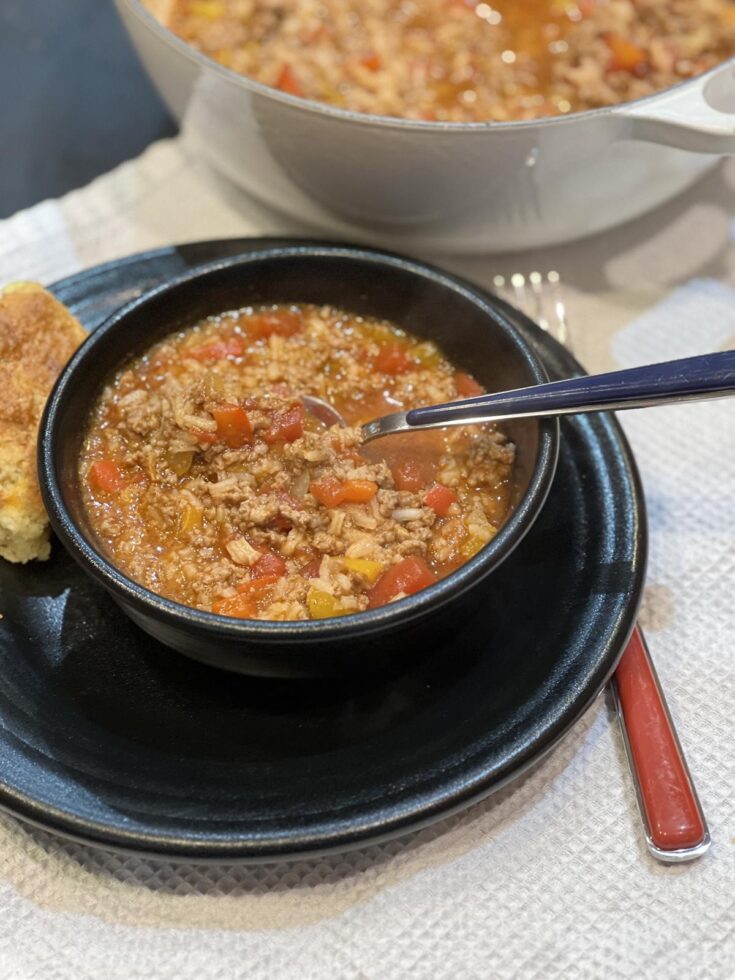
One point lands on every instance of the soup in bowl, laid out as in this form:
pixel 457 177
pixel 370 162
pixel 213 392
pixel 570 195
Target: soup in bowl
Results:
pixel 180 466
pixel 206 480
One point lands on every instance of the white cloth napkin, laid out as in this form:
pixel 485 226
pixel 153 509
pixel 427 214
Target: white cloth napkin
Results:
pixel 548 879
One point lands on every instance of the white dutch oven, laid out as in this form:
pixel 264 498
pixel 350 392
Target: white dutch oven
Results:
pixel 459 187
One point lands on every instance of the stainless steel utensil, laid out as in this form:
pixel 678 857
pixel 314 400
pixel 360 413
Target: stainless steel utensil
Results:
pixel 687 379
pixel 674 823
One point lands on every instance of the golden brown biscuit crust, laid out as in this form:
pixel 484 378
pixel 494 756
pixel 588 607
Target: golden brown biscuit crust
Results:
pixel 38 335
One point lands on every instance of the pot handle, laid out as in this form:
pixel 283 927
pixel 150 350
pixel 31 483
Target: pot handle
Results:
pixel 698 116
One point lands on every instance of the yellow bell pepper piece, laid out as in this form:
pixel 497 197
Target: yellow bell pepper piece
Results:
pixel 427 355
pixel 381 333
pixel 225 57
pixel 476 542
pixel 367 569
pixel 472 545
pixel 322 605
pixel 191 518
pixel 207 8
pixel 180 463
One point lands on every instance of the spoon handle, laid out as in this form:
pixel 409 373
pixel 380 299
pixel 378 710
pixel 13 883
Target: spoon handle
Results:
pixel 676 829
pixel 704 376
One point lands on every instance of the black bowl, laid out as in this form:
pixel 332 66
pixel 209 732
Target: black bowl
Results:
pixel 425 301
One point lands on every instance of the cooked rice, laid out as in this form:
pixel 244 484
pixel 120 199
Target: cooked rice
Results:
pixel 463 60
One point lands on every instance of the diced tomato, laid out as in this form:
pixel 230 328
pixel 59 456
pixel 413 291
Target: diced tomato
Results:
pixel 239 606
pixel 353 456
pixel 269 564
pixel 283 323
pixel 358 491
pixel 466 385
pixel 371 61
pixel 440 498
pixel 408 576
pixel 257 586
pixel 407 475
pixel 587 7
pixel 625 56
pixel 244 605
pixel 311 568
pixel 217 350
pixel 233 425
pixel 106 476
pixel 328 490
pixel 393 359
pixel 286 426
pixel 287 82
pixel 204 436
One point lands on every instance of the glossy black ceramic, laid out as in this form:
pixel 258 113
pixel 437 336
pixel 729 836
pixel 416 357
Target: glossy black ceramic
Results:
pixel 470 328
pixel 109 737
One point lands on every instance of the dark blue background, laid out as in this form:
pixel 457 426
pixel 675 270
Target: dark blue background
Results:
pixel 74 101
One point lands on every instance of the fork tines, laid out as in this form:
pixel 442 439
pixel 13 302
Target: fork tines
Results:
pixel 539 296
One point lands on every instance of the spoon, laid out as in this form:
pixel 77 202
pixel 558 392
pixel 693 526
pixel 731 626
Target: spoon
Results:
pixel 688 379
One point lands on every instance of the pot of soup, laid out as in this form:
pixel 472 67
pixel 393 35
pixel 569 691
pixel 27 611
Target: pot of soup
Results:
pixel 452 125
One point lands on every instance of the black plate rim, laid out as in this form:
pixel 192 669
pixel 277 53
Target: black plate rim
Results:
pixel 401 819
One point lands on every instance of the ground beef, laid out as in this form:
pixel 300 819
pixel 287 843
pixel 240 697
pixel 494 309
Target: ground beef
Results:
pixel 208 482
pixel 462 60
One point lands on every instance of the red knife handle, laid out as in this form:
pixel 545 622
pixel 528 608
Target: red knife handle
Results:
pixel 665 790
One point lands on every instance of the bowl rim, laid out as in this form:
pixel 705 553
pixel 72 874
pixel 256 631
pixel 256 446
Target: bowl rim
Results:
pixel 617 111
pixel 396 614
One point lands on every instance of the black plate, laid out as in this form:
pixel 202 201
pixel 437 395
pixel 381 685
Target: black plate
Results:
pixel 108 737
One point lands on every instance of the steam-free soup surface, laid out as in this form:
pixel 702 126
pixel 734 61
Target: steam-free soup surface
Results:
pixel 463 60
pixel 207 481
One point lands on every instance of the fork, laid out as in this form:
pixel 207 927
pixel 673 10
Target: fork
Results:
pixel 673 820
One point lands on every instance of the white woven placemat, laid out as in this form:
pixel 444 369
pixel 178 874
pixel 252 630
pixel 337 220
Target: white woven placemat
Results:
pixel 550 878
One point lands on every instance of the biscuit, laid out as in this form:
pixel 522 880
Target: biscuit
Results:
pixel 38 335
